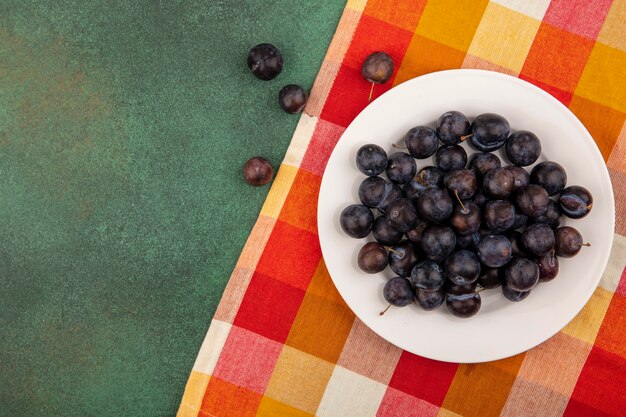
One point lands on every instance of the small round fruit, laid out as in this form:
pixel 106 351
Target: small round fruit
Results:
pixel 517 247
pixel 372 258
pixel 265 61
pixel 575 202
pixel 532 200
pixel 489 132
pixel 398 292
pixel 428 276
pixel 434 205
pixel 499 215
pixel 462 267
pixel 292 98
pixel 512 295
pixel 548 267
pixel 451 126
pixel 401 168
pixel 402 215
pixel 521 274
pixel 429 300
pixel 498 183
pixel 257 171
pixel 415 234
pixel 462 182
pixel 550 176
pixel 421 142
pixel 372 191
pixel 520 220
pixel 484 162
pixel 438 242
pixel 385 233
pixel 568 242
pixel 523 148
pixel 371 160
pixel 392 193
pixel 463 306
pixel 448 158
pixel 538 239
pixel 402 258
pixel 377 68
pixel 480 198
pixel 495 250
pixel 356 220
pixel 466 220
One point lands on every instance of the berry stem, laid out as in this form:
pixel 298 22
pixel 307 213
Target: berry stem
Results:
pixel 371 92
pixel 456 194
pixel 384 311
pixel 586 244
pixel 394 251
pixel 465 137
pixel 397 146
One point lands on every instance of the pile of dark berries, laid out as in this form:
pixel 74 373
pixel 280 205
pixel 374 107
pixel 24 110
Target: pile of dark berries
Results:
pixel 456 228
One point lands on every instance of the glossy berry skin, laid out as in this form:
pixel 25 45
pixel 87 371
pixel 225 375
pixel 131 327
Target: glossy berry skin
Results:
pixel 398 292
pixel 498 183
pixel 494 251
pixel 257 171
pixel 552 216
pixel 402 215
pixel 265 61
pixel 521 177
pixel 575 202
pixel 512 295
pixel 427 177
pixel 377 68
pixel 292 98
pixel 372 191
pixel 532 200
pixel 517 247
pixel 462 182
pixel 520 220
pixel 454 289
pixel 568 242
pixel 523 148
pixel 421 142
pixel 371 160
pixel 462 267
pixel 448 158
pixel 434 205
pixel 499 215
pixel 415 234
pixel 550 176
pixel 392 193
pixel 491 277
pixel 466 221
pixel 538 239
pixel 428 276
pixel 484 162
pixel 401 168
pixel 451 126
pixel 356 221
pixel 438 242
pixel 548 267
pixel 402 258
pixel 385 233
pixel 489 132
pixel 521 274
pixel 372 258
pixel 463 306
pixel 429 300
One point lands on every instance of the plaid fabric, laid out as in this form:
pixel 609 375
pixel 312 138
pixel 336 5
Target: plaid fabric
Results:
pixel 283 342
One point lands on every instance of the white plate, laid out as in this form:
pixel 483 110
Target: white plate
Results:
pixel 501 328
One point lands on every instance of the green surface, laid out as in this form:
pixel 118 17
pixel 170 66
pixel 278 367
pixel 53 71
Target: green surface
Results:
pixel 123 129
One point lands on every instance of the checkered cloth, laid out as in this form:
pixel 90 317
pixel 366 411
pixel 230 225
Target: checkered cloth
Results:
pixel 283 342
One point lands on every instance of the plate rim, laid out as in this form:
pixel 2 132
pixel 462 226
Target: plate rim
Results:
pixel 546 96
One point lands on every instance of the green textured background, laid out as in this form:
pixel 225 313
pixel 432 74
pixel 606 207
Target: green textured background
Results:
pixel 123 129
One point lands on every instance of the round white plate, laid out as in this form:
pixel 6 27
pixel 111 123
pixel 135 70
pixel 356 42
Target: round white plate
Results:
pixel 501 328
